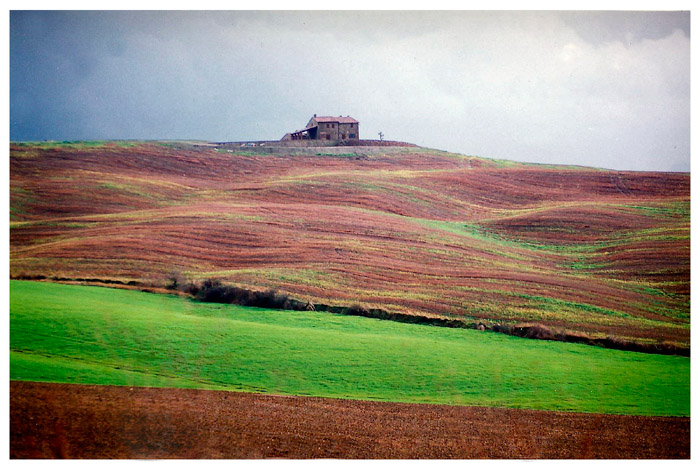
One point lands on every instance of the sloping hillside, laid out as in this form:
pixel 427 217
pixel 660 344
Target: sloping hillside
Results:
pixel 404 229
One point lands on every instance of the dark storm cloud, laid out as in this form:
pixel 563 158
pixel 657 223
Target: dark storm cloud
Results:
pixel 592 88
pixel 600 27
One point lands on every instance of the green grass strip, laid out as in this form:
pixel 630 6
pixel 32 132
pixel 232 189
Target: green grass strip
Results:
pixel 91 335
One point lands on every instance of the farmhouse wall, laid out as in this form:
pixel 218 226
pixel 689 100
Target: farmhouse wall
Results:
pixel 327 130
pixel 349 131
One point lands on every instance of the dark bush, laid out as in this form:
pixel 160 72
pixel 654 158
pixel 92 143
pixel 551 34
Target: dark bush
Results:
pixel 24 276
pixel 536 331
pixel 191 288
pixel 357 310
pixel 175 281
pixel 213 291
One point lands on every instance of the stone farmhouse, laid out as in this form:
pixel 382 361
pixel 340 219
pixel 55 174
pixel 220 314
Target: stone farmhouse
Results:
pixel 328 128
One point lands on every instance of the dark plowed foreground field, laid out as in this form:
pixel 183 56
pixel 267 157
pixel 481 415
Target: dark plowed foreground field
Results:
pixel 409 230
pixel 69 421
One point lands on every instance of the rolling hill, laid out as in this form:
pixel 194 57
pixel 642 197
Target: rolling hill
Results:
pixel 406 229
pixel 90 335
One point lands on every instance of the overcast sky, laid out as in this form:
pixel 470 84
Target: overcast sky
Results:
pixel 605 89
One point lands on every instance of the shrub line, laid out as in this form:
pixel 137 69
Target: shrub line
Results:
pixel 213 291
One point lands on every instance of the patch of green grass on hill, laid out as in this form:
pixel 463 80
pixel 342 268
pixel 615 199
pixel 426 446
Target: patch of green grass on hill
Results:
pixel 664 210
pixel 339 155
pixel 20 198
pixel 78 334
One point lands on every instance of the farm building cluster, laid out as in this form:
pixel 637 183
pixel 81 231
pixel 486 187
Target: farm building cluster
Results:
pixel 329 128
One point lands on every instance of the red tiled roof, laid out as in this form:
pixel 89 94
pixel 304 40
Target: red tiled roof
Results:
pixel 339 119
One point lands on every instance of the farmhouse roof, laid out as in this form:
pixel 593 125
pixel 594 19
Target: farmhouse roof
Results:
pixel 339 119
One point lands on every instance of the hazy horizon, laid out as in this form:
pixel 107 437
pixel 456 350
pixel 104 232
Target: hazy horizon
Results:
pixel 602 89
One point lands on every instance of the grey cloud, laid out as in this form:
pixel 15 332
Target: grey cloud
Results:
pixel 626 27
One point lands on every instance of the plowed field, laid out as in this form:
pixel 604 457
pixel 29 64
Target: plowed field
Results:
pixel 70 421
pixel 407 230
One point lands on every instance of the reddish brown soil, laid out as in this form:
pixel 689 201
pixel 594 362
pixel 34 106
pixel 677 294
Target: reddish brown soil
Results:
pixel 381 230
pixel 105 422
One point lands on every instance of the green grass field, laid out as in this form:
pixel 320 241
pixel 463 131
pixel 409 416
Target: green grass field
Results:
pixel 78 334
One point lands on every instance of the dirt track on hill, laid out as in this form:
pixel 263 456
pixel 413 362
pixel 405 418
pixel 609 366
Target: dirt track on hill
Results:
pixel 107 422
